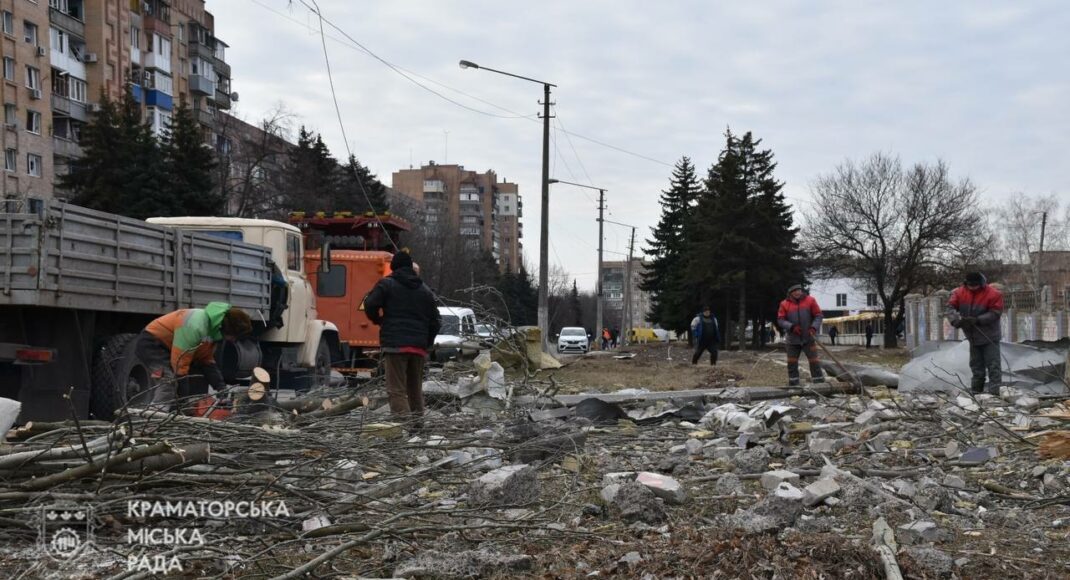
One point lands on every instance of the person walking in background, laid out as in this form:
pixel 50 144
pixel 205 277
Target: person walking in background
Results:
pixel 182 343
pixel 869 334
pixel 833 333
pixel 976 308
pixel 707 335
pixel 404 309
pixel 800 318
pixel 606 338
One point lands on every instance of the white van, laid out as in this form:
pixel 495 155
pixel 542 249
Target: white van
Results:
pixel 457 338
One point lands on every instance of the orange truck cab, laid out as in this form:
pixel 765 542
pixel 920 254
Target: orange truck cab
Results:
pixel 359 257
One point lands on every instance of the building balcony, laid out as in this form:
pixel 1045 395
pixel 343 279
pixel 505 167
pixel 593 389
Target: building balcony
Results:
pixel 160 99
pixel 65 148
pixel 66 22
pixel 202 85
pixel 204 116
pixel 68 108
pixel 222 68
pixel 158 61
pixel 222 100
pixel 196 49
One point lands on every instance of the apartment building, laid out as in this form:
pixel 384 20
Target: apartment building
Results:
pixel 484 211
pixel 27 144
pixel 60 56
pixel 613 289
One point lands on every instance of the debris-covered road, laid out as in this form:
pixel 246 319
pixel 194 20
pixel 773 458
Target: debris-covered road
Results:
pixel 722 482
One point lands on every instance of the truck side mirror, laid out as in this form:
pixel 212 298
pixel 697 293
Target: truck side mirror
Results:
pixel 325 258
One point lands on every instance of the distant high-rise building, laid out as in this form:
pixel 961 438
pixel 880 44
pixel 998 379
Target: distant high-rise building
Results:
pixel 60 57
pixel 484 211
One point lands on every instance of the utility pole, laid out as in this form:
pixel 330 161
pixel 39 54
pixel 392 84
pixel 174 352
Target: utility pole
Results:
pixel 544 225
pixel 598 284
pixel 1040 256
pixel 626 312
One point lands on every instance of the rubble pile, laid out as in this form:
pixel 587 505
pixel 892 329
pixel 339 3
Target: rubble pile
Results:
pixel 762 482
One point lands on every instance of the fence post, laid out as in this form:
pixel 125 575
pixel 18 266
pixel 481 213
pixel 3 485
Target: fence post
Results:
pixel 942 326
pixel 911 317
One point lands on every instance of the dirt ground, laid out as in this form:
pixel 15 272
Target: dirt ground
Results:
pixel 667 367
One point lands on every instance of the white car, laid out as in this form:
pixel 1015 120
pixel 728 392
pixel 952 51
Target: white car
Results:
pixel 573 339
pixel 457 338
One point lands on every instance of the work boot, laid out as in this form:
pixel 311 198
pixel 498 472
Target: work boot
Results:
pixel 993 389
pixel 978 388
pixel 819 380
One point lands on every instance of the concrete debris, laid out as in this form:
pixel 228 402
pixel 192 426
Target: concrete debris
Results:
pixel 820 490
pixel 928 562
pixel 785 490
pixel 945 367
pixel 978 455
pixel 771 479
pixel 694 446
pixel 728 484
pixel 635 502
pixel 954 482
pixel 466 564
pixel 919 532
pixel 506 486
pixel 663 486
pixel 631 558
pixel 755 460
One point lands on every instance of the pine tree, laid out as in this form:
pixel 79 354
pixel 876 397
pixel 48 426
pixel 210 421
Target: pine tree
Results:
pixel 121 168
pixel 311 180
pixel 575 306
pixel 671 304
pixel 362 190
pixel 188 166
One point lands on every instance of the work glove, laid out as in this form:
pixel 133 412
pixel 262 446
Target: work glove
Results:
pixel 813 332
pixel 796 330
pixel 969 322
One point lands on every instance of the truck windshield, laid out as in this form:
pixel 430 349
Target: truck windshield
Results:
pixel 450 325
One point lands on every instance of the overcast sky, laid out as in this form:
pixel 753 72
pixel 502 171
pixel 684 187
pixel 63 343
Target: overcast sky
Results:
pixel 983 85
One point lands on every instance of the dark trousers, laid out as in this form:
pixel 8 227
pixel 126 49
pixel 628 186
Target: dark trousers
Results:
pixel 708 347
pixel 985 357
pixel 832 337
pixel 794 350
pixel 164 386
pixel 404 383
pixel 869 340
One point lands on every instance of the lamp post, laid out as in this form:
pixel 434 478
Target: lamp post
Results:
pixel 598 284
pixel 544 225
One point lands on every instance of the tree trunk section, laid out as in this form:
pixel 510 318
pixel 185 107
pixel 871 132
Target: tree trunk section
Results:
pixel 742 315
pixel 890 340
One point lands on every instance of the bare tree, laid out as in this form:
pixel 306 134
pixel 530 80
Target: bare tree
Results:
pixel 252 160
pixel 1018 226
pixel 898 228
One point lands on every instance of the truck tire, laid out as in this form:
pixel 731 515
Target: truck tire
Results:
pixel 117 376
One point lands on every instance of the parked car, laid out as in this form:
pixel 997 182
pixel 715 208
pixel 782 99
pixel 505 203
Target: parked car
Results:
pixel 458 337
pixel 573 339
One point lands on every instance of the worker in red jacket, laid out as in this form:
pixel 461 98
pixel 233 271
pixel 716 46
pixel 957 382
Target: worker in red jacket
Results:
pixel 976 308
pixel 800 318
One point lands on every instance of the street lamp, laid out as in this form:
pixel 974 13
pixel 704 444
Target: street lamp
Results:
pixel 598 284
pixel 544 225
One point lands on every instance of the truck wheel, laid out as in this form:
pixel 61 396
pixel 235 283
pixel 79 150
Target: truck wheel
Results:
pixel 118 376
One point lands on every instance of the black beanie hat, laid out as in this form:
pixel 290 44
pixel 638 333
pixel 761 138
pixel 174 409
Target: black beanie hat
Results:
pixel 401 260
pixel 796 287
pixel 975 278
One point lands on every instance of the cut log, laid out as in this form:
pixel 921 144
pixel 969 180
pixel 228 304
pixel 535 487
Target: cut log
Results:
pixel 884 544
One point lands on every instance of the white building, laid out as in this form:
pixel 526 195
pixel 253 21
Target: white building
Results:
pixel 844 296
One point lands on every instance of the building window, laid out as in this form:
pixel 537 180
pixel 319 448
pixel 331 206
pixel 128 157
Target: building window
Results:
pixel 9 68
pixel 33 122
pixel 78 89
pixel 159 120
pixel 59 40
pixel 871 299
pixel 841 300
pixel 33 164
pixel 11 114
pixel 293 252
pixel 33 77
pixel 9 23
pixel 10 160
pixel 31 32
pixel 135 38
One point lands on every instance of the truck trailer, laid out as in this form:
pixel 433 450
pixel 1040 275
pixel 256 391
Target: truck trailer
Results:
pixel 77 285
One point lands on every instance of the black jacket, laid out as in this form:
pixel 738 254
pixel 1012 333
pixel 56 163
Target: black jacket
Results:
pixel 404 309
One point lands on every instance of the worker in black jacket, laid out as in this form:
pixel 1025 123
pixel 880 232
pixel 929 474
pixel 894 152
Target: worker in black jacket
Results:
pixel 404 309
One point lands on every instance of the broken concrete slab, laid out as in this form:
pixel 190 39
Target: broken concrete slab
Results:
pixel 920 532
pixel 663 486
pixel 506 486
pixel 771 479
pixel 754 460
pixel 694 446
pixel 785 490
pixel 729 484
pixel 928 562
pixel 637 503
pixel 955 482
pixel 820 490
